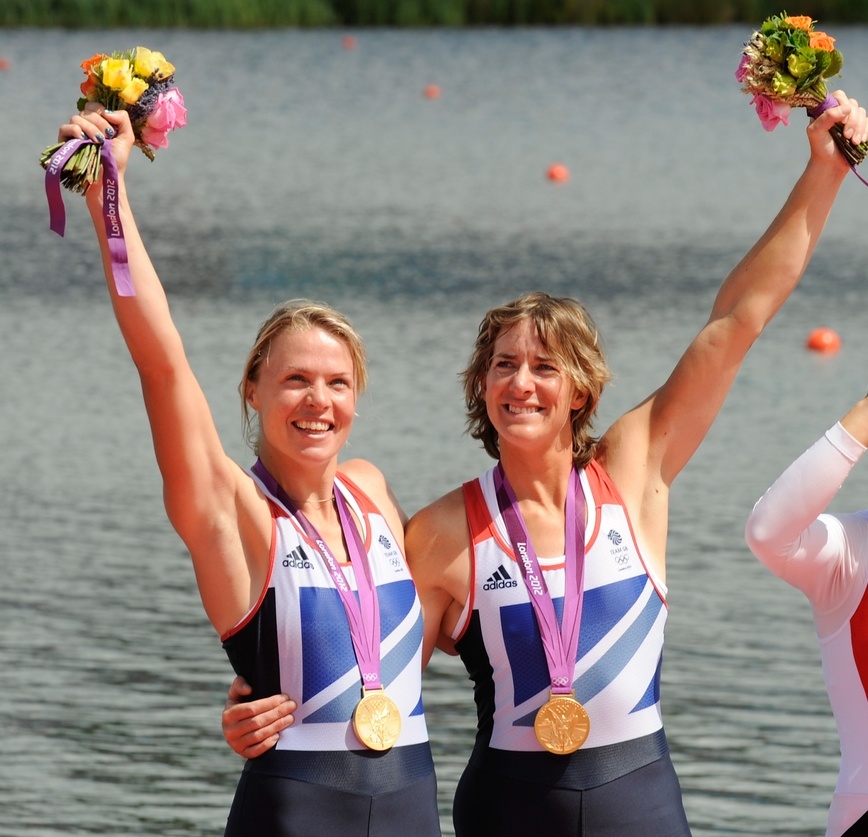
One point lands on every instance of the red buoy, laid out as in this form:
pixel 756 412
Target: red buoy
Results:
pixel 432 91
pixel 558 173
pixel 4 63
pixel 349 42
pixel 823 340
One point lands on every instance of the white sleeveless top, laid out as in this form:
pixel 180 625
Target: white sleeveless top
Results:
pixel 298 637
pixel 617 670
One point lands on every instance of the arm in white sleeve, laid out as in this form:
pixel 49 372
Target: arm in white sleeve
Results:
pixel 789 533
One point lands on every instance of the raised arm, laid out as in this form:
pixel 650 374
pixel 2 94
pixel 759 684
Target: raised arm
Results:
pixel 646 448
pixel 207 496
pixel 787 530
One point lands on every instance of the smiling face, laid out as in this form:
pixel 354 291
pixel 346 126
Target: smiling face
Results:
pixel 564 333
pixel 297 316
pixel 528 395
pixel 305 396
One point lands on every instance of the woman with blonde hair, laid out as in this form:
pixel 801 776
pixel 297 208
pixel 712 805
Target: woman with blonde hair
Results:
pixel 299 561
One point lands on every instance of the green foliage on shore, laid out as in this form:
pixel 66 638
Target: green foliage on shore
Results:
pixel 252 14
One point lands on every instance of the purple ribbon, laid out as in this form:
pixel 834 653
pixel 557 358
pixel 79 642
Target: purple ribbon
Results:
pixel 111 216
pixel 830 102
pixel 363 614
pixel 559 642
pixel 56 210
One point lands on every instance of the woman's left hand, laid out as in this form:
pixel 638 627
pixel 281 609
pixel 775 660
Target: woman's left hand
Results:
pixel 854 123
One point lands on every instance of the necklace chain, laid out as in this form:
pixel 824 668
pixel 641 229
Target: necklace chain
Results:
pixel 316 502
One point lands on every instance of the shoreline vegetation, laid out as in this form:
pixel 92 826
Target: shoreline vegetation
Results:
pixel 255 14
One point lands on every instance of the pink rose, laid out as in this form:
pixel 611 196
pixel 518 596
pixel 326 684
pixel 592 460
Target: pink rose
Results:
pixel 743 66
pixel 168 114
pixel 770 112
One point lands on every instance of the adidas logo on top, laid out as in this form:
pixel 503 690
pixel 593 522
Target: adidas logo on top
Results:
pixel 499 579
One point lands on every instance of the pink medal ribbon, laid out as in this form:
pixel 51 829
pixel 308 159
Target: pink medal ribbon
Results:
pixel 363 614
pixel 559 642
pixel 111 216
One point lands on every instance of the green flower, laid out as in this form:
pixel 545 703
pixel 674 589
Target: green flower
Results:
pixel 774 50
pixel 802 63
pixel 783 84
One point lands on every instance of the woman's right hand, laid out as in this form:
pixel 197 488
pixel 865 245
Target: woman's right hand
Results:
pixel 252 728
pixel 99 124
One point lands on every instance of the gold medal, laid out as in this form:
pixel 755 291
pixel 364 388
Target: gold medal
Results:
pixel 562 724
pixel 377 720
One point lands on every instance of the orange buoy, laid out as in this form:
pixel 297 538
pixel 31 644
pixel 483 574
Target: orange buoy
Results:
pixel 349 42
pixel 432 91
pixel 823 340
pixel 558 172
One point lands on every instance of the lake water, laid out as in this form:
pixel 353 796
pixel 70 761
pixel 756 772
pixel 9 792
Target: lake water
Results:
pixel 310 169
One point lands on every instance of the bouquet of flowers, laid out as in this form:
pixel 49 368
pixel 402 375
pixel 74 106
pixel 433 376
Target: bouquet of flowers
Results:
pixel 785 65
pixel 140 81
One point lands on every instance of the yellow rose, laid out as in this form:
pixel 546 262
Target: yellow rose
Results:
pixel 150 62
pixel 116 73
pixel 131 93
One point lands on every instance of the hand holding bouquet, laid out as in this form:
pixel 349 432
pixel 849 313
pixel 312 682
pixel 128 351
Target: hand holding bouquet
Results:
pixel 140 81
pixel 785 65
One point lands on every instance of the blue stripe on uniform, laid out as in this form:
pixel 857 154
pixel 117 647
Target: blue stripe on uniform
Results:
pixel 612 663
pixel 328 653
pixel 602 609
